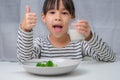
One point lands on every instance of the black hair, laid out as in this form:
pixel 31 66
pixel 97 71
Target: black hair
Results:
pixel 52 4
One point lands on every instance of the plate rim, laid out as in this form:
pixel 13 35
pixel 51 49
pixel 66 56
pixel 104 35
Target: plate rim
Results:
pixel 56 68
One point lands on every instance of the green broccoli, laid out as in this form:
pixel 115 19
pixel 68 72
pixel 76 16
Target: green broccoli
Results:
pixel 39 64
pixel 49 63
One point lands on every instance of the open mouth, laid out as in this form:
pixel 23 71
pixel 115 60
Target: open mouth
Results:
pixel 57 28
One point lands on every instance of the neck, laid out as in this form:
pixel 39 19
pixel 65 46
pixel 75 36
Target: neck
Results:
pixel 59 42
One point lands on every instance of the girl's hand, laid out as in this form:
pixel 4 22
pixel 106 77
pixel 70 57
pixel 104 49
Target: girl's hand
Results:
pixel 29 20
pixel 83 27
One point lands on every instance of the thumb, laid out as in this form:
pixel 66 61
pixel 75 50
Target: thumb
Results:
pixel 27 8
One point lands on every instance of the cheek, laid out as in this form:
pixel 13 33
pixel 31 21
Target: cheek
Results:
pixel 67 23
pixel 48 21
pixel 48 24
pixel 66 26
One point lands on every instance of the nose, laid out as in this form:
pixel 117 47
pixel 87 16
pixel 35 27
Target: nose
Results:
pixel 58 17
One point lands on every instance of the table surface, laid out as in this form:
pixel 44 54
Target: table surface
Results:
pixel 87 70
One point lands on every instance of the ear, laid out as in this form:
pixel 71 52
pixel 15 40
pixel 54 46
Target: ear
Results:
pixel 43 17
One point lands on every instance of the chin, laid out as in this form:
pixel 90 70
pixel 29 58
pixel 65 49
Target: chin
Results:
pixel 58 36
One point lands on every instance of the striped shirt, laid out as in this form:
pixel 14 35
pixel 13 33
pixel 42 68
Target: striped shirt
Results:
pixel 41 47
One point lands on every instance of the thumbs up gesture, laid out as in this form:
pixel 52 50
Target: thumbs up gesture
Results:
pixel 29 20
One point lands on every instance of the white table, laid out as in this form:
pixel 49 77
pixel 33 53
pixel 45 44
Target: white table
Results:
pixel 87 70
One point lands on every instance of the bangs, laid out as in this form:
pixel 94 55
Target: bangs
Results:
pixel 50 4
pixel 55 4
pixel 68 4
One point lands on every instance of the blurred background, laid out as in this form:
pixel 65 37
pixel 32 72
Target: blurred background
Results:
pixel 103 16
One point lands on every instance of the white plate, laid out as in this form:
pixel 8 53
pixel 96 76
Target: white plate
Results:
pixel 63 66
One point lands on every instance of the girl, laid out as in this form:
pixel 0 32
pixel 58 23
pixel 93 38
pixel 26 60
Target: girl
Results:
pixel 57 14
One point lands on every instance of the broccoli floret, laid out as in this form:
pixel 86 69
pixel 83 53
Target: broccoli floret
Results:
pixel 43 65
pixel 39 64
pixel 47 64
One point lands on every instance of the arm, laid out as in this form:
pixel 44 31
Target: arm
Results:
pixel 98 49
pixel 26 48
pixel 93 45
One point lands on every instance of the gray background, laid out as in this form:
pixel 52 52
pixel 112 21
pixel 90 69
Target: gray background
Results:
pixel 103 16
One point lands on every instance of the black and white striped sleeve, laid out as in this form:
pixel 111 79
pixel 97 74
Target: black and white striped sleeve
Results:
pixel 25 46
pixel 98 49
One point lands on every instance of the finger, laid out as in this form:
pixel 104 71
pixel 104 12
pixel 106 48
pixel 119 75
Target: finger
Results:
pixel 81 26
pixel 27 9
pixel 31 22
pixel 31 18
pixel 81 29
pixel 32 14
pixel 31 25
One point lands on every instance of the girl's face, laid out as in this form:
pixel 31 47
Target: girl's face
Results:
pixel 57 21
